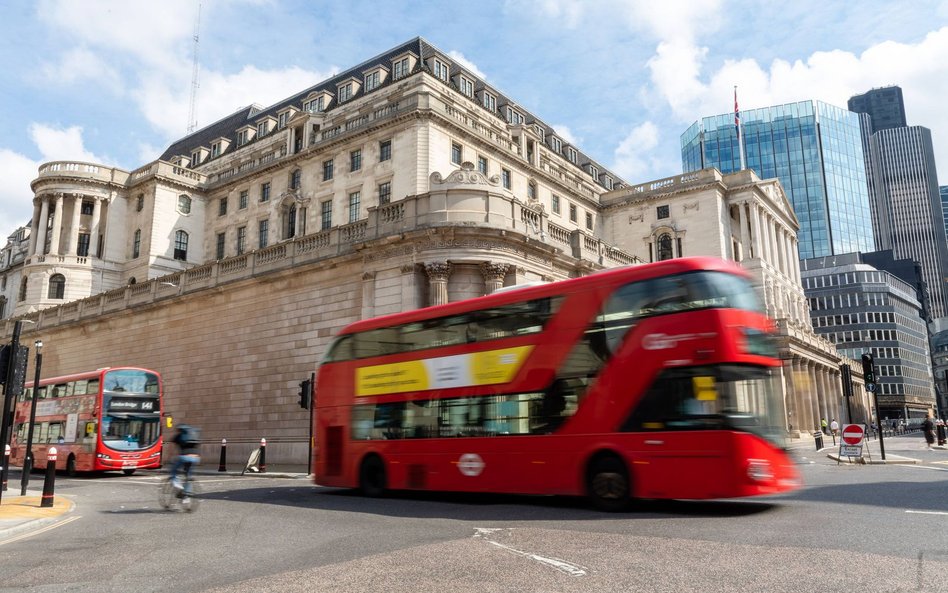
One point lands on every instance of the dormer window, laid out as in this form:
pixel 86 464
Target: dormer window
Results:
pixel 490 102
pixel 315 105
pixel 556 144
pixel 242 137
pixel 571 155
pixel 440 70
pixel 401 68
pixel 195 158
pixel 540 132
pixel 345 92
pixel 281 121
pixel 594 172
pixel 372 80
pixel 215 150
pixel 262 129
pixel 513 117
pixel 465 86
pixel 607 181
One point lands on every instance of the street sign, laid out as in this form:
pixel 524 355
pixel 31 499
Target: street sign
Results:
pixel 870 387
pixel 853 434
pixel 850 450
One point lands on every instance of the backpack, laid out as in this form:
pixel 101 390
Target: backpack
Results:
pixel 190 435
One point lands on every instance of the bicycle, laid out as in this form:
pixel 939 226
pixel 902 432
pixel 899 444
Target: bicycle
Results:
pixel 173 489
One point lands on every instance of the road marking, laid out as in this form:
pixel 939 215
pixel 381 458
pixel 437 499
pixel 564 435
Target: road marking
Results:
pixel 38 531
pixel 574 570
pixel 917 466
pixel 926 512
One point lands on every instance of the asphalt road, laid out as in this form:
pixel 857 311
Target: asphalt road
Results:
pixel 867 528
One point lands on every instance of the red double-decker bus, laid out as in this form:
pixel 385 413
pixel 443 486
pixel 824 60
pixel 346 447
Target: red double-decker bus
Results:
pixel 650 381
pixel 107 419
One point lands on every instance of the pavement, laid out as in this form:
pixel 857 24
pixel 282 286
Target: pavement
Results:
pixel 906 448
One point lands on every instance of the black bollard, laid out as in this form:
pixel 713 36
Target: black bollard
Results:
pixel 223 465
pixel 5 467
pixel 263 456
pixel 50 482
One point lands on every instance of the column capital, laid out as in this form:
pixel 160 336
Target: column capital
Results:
pixel 494 271
pixel 438 270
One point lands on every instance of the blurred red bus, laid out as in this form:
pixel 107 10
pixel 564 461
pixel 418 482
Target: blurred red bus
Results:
pixel 107 419
pixel 651 381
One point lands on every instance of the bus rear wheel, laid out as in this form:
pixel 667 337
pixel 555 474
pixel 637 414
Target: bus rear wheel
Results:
pixel 607 484
pixel 71 466
pixel 372 481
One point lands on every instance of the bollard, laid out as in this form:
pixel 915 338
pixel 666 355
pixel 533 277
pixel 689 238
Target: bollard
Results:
pixel 223 465
pixel 818 439
pixel 5 466
pixel 263 455
pixel 50 481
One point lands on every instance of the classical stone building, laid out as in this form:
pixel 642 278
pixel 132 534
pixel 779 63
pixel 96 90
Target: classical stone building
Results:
pixel 229 262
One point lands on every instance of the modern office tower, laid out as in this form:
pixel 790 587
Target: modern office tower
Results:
pixel 884 106
pixel 862 309
pixel 940 367
pixel 816 152
pixel 907 207
pixel 943 193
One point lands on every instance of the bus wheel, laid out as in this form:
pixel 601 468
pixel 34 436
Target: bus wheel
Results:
pixel 128 472
pixel 607 484
pixel 372 476
pixel 71 466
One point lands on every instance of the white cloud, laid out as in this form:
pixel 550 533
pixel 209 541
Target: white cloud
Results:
pixel 79 64
pixel 471 66
pixel 566 134
pixel 16 199
pixel 56 144
pixel 635 157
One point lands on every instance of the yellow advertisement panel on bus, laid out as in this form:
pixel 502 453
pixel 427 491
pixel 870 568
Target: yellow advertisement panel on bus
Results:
pixel 444 372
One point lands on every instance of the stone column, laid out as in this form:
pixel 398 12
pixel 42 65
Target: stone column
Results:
pixel 745 240
pixel 72 242
pixel 438 274
pixel 43 227
pixel 793 423
pixel 368 295
pixel 54 241
pixel 493 275
pixel 94 233
pixel 411 288
pixel 34 226
pixel 755 230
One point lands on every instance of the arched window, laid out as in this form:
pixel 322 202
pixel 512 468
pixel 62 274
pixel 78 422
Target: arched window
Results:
pixel 665 247
pixel 22 296
pixel 181 245
pixel 184 204
pixel 132 281
pixel 57 287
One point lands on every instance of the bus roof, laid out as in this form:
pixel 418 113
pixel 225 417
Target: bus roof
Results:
pixel 86 375
pixel 618 275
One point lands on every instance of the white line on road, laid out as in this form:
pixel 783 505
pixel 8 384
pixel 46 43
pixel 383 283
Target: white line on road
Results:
pixel 926 512
pixel 47 528
pixel 569 568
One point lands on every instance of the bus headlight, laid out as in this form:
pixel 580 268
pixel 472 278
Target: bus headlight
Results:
pixel 758 470
pixel 102 456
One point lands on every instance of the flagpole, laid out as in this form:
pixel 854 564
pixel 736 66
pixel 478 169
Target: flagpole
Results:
pixel 740 133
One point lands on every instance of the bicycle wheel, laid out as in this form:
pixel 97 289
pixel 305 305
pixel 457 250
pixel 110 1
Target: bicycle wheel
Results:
pixel 191 502
pixel 167 496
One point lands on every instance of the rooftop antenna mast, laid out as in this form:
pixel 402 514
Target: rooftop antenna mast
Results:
pixel 192 118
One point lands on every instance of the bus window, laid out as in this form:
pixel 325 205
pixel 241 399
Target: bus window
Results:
pixel 55 431
pixel 93 386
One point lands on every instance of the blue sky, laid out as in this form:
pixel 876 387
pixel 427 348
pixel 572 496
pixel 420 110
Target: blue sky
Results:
pixel 110 81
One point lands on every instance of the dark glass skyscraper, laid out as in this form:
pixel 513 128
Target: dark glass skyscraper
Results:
pixel 884 106
pixel 816 152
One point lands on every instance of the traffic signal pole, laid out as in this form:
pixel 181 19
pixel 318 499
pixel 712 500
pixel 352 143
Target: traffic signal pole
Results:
pixel 869 374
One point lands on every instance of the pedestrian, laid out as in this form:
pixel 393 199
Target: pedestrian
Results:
pixel 834 426
pixel 928 428
pixel 942 432
pixel 823 425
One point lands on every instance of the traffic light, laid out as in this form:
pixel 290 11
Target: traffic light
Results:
pixel 5 351
pixel 306 390
pixel 868 371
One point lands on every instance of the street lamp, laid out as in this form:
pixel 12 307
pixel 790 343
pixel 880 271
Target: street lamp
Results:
pixel 28 458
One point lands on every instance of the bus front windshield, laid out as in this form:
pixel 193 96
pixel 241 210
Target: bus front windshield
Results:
pixel 720 397
pixel 131 410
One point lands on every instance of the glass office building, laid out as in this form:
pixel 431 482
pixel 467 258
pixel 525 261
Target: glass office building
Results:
pixel 814 149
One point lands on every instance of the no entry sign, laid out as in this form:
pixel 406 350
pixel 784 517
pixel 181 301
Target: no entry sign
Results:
pixel 853 434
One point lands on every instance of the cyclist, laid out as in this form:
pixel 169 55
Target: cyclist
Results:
pixel 188 441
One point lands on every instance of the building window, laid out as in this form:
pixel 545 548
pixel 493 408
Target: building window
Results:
pixel 572 212
pixel 327 170
pixel 385 192
pixel 137 243
pixel 140 203
pixel 440 70
pixel 282 121
pixel 295 179
pixel 221 237
pixel 241 137
pixel 514 117
pixel 345 92
pixel 262 129
pixel 355 160
pixel 195 159
pixel 482 164
pixel 22 296
pixel 244 198
pixel 326 215
pixel 263 231
pixel 662 212
pixel 222 207
pixel 467 87
pixel 589 221
pixel 86 208
pixel 215 150
pixel 181 246
pixel 505 178
pixel 290 222
pixel 83 247
pixel 556 144
pixel 316 105
pixel 555 204
pixel 355 199
pixel 594 172
pixel 664 247
pixel 184 204
pixel 456 153
pixel 490 102
pixel 400 68
pixel 571 155
pixel 371 80
pixel 531 191
pixel 57 287
pixel 607 181
pixel 241 240
pixel 385 150
pixel 265 192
